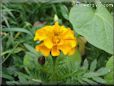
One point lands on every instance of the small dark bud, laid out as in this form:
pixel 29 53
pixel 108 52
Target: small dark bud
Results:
pixel 41 60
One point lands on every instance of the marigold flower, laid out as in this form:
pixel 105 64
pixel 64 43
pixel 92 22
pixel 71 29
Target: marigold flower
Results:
pixel 55 39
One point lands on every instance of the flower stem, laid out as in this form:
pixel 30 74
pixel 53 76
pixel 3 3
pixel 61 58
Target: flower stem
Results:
pixel 54 59
pixel 54 68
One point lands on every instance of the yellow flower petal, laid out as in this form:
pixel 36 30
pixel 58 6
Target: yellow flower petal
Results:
pixel 61 42
pixel 36 38
pixel 43 33
pixel 43 49
pixel 69 34
pixel 55 51
pixel 71 42
pixel 55 38
pixel 56 27
pixel 48 43
pixel 72 51
pixel 63 29
pixel 65 49
pixel 40 35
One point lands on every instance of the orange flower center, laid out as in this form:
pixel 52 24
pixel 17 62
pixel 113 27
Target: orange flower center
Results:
pixel 56 37
pixel 56 40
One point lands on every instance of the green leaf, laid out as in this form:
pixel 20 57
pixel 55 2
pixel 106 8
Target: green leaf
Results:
pixel 22 77
pixel 6 76
pixel 99 80
pixel 85 64
pixel 64 11
pixel 109 63
pixel 31 49
pixel 76 57
pixel 90 74
pixel 17 50
pixel 28 61
pixel 89 81
pixel 93 65
pixel 100 72
pixel 95 25
pixel 11 70
pixel 18 30
pixel 82 82
pixel 103 71
pixel 109 77
pixel 12 82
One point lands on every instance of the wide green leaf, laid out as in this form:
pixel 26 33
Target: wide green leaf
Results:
pixel 95 25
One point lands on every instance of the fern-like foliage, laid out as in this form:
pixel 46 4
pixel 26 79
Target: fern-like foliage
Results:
pixel 60 70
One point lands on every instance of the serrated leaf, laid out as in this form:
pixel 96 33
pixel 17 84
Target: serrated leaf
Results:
pixel 37 80
pixel 93 65
pixel 22 77
pixel 6 76
pixel 99 80
pixel 11 70
pixel 89 81
pixel 82 82
pixel 90 74
pixel 103 71
pixel 94 25
pixel 12 82
pixel 100 72
pixel 85 64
